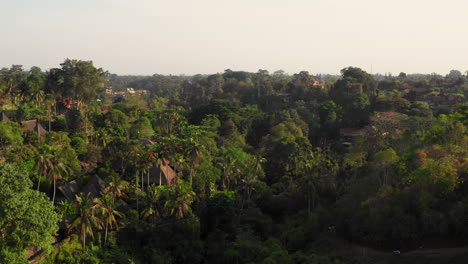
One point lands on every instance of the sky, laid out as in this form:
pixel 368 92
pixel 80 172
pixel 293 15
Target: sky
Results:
pixel 142 37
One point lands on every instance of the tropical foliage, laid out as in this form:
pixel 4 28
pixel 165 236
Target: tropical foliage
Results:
pixel 234 167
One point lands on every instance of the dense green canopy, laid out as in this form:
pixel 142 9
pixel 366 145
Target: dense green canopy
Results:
pixel 27 217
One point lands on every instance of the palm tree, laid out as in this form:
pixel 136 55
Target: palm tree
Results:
pixel 159 163
pixel 102 137
pixel 50 102
pixel 250 175
pixel 86 221
pixel 182 198
pixel 194 151
pixel 315 166
pixel 153 200
pixel 107 208
pixel 229 169
pixel 39 98
pixel 51 165
pixel 44 163
pixel 56 172
pixel 116 188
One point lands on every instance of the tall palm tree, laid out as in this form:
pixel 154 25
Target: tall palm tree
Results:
pixel 249 176
pixel 102 137
pixel 86 221
pixel 50 102
pixel 107 209
pixel 194 151
pixel 153 197
pixel 56 172
pixel 39 98
pixel 159 163
pixel 315 167
pixel 116 188
pixel 44 163
pixel 51 165
pixel 229 169
pixel 179 205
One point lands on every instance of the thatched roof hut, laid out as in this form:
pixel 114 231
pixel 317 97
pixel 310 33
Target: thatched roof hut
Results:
pixel 34 125
pixel 161 175
pixel 4 117
pixel 94 187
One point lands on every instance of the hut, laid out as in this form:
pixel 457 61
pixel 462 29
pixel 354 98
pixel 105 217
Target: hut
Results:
pixel 34 125
pixel 69 190
pixel 161 175
pixel 4 117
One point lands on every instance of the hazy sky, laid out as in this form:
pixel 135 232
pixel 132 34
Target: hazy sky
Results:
pixel 208 36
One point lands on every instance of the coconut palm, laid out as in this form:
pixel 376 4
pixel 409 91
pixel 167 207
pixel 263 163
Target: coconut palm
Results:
pixel 229 169
pixel 51 165
pixel 179 204
pixel 56 172
pixel 43 163
pixel 107 209
pixel 153 200
pixel 249 176
pixel 50 102
pixel 194 151
pixel 102 137
pixel 39 98
pixel 86 221
pixel 116 188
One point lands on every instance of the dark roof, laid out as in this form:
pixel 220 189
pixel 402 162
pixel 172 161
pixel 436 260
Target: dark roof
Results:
pixel 94 186
pixel 4 117
pixel 69 190
pixel 352 132
pixel 33 125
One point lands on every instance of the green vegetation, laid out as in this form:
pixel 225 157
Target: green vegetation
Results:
pixel 234 167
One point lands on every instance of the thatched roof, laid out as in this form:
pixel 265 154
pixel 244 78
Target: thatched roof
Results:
pixel 94 186
pixel 164 175
pixel 69 190
pixel 4 117
pixel 33 125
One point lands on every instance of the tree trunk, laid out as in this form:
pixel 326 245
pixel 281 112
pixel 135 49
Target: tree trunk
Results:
pixel 142 182
pixel 147 176
pixel 39 181
pixel 105 233
pixel 137 189
pixel 83 234
pixel 191 175
pixel 53 196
